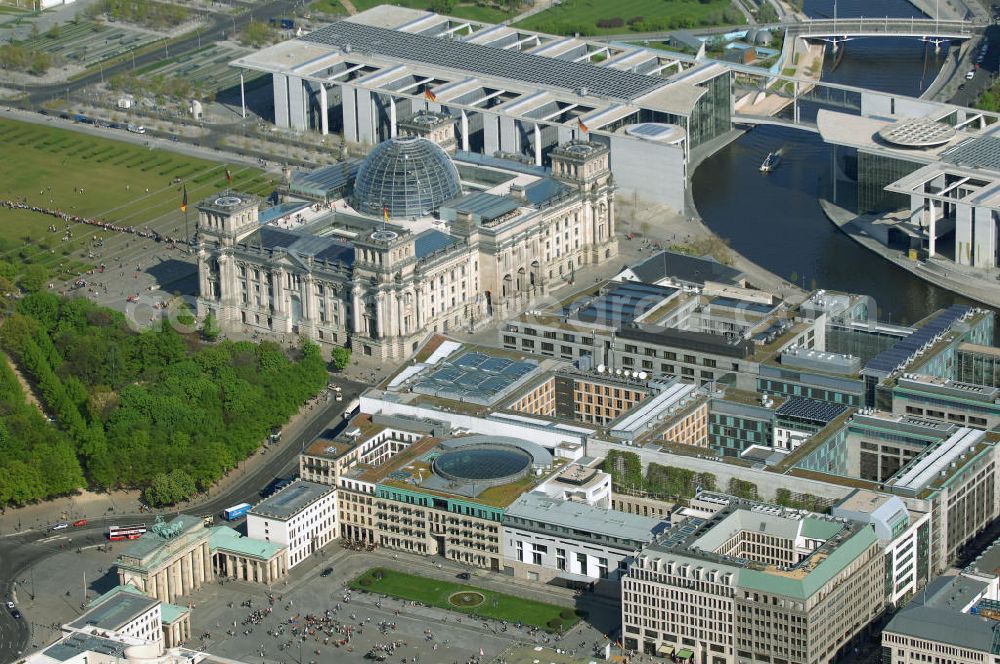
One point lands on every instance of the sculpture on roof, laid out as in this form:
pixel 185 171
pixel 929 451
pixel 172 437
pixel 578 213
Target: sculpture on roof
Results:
pixel 166 530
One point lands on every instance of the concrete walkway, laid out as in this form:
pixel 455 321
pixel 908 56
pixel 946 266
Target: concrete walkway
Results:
pixel 938 271
pixel 536 8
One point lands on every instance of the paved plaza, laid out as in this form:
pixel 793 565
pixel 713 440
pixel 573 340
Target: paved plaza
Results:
pixel 331 623
pixel 251 623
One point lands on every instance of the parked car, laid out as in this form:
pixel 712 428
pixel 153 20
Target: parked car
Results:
pixel 79 523
pixel 10 605
pixel 16 614
pixel 60 526
pixel 327 572
pixel 969 75
pixel 464 576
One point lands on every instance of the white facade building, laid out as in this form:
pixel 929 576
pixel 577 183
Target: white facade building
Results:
pixel 302 516
pixel 546 538
pixel 905 538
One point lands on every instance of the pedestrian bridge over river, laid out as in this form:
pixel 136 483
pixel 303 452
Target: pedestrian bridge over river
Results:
pixel 847 28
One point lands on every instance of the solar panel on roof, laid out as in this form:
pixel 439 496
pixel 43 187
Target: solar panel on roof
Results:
pixel 982 152
pixel 495 364
pixel 446 375
pixel 494 384
pixel 471 360
pixel 471 379
pixel 892 358
pixel 486 60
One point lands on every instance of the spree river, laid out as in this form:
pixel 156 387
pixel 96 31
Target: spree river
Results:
pixel 775 220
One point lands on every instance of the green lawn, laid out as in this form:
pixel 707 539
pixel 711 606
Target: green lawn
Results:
pixel 469 10
pixel 436 593
pixel 45 164
pixel 583 16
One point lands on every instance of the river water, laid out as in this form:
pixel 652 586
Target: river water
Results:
pixel 775 220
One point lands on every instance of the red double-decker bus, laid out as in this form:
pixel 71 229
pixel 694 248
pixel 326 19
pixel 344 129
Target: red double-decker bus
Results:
pixel 119 533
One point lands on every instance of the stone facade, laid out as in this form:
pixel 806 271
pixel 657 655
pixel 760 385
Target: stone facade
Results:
pixel 380 295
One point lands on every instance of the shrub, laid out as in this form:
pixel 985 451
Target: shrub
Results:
pixel 555 623
pixel 615 22
pixel 365 581
pixel 635 20
pixel 566 614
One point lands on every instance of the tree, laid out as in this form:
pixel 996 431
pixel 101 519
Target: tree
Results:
pixel 340 356
pixel 257 34
pixel 151 410
pixel 742 489
pixel 210 328
pixel 34 278
pixel 169 488
pixel 767 13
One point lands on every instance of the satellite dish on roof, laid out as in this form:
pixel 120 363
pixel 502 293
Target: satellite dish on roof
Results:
pixel 618 372
pixel 600 368
pixel 642 375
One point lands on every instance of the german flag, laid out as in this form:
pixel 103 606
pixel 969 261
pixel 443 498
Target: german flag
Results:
pixel 385 213
pixel 584 128
pixel 429 95
pixel 229 175
pixel 184 200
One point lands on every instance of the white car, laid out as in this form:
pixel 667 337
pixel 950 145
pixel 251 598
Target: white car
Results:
pixel 970 75
pixel 60 526
pixel 10 605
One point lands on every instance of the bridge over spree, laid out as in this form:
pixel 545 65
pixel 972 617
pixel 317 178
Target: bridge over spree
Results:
pixel 846 28
pixel 841 28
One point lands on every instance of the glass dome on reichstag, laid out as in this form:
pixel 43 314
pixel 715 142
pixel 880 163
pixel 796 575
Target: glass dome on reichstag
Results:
pixel 409 177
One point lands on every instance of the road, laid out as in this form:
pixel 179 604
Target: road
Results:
pixel 18 552
pixel 969 91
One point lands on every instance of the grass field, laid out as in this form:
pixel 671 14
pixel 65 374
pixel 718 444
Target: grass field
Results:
pixel 436 593
pixel 46 164
pixel 582 16
pixel 469 10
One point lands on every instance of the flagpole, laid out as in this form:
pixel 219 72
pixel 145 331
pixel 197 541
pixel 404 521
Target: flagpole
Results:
pixel 184 209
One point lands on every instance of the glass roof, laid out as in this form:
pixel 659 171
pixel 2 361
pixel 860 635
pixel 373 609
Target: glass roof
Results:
pixel 408 177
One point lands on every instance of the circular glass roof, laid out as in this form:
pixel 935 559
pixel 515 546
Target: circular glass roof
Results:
pixel 484 462
pixel 408 177
pixel 917 133
pixel 657 131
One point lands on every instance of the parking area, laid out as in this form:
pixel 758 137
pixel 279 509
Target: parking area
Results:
pixel 206 69
pixel 88 42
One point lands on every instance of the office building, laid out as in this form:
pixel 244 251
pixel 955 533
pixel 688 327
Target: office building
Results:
pixel 753 583
pixel 302 517
pixel 506 91
pixel 956 619
pixel 546 539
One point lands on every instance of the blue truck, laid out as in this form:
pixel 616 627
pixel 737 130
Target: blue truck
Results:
pixel 236 511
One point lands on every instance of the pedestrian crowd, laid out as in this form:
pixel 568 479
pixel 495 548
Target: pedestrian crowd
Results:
pixel 90 221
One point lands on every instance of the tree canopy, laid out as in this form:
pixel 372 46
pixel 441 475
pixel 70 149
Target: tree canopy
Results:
pixel 150 409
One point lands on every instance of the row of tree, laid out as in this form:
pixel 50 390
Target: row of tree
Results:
pixel 668 482
pixel 162 87
pixel 18 57
pixel 142 12
pixel 152 409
